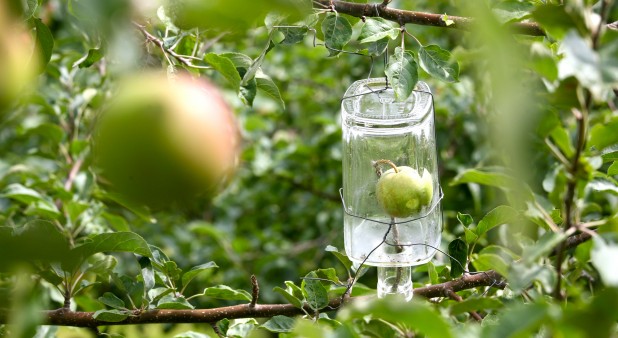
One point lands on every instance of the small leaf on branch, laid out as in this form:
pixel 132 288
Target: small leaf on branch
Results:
pixel 500 215
pixel 226 293
pixel 115 242
pixel 437 63
pixel 226 67
pixel 340 256
pixel 337 33
pixel 93 55
pixel 238 59
pixel 289 296
pixel 376 29
pixel 170 301
pixel 446 20
pixel 464 219
pixel 293 35
pixel 250 72
pixel 376 48
pixel 112 301
pixel 44 42
pixel 279 324
pixel 188 276
pixel 458 251
pixel 266 85
pixel 315 293
pixel 402 73
pixel 111 316
pixel 486 261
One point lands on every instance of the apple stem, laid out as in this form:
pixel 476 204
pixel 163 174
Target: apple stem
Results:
pixel 389 163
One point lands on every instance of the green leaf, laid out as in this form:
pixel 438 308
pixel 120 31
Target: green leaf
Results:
pixel 250 72
pixel 402 73
pixel 558 20
pixel 196 270
pixel 603 135
pixel 170 301
pixel 512 10
pixel 226 293
pixel 519 320
pixel 470 235
pixel 416 315
pixel 475 304
pixel 247 92
pixel 613 169
pixel 293 35
pixel 279 324
pixel 289 296
pixel 543 246
pixel 148 274
pixel 238 59
pixel 44 42
pixel 315 293
pixel 116 222
pixel 543 62
pixel 112 300
pixel 226 67
pixel 328 274
pixel 464 219
pixel 458 250
pixel 37 203
pixel 294 289
pixel 112 316
pixel 494 179
pixel 115 242
pixel 337 32
pixel 376 29
pixel 266 85
pixel 437 63
pixel 433 273
pixel 340 256
pixel 604 257
pixel 90 58
pixel 20 193
pixel 500 215
pixel 563 140
pixel 377 48
pixel 521 275
pixel 585 64
pixel 484 262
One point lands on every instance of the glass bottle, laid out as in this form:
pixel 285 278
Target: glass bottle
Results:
pixel 377 129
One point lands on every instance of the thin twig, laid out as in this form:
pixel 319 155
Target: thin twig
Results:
pixel 185 60
pixel 255 291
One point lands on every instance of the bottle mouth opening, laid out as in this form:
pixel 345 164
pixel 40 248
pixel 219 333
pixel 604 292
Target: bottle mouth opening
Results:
pixel 370 100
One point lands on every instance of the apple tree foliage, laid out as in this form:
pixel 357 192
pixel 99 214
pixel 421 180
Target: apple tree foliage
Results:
pixel 527 127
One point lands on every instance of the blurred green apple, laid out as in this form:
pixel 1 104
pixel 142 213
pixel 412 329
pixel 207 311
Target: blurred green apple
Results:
pixel 164 143
pixel 402 192
pixel 17 69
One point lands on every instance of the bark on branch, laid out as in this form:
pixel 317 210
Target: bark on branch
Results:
pixel 64 317
pixel 418 18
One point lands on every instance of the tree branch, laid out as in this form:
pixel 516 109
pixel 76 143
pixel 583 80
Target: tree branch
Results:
pixel 65 317
pixel 418 18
